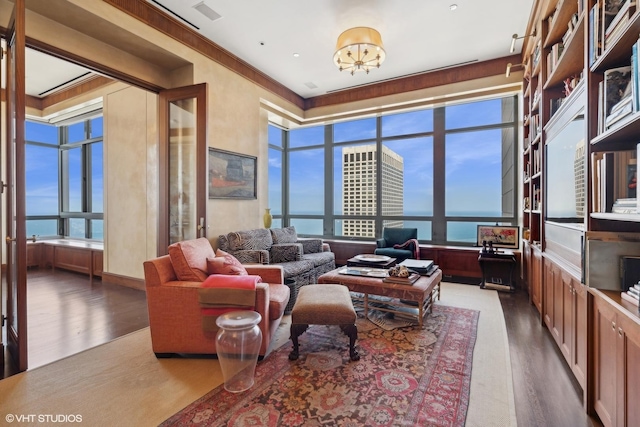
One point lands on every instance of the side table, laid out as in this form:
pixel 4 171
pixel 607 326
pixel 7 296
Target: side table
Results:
pixel 497 270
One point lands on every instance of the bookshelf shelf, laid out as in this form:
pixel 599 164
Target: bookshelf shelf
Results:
pixel 564 10
pixel 616 216
pixel 623 136
pixel 572 60
pixel 619 50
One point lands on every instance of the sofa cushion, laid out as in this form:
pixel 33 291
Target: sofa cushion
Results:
pixel 225 263
pixel 278 299
pixel 320 258
pixel 189 259
pixel 284 235
pixel 286 252
pixel 258 239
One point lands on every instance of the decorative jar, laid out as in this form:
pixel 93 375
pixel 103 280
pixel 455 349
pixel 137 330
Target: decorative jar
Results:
pixel 238 345
pixel 267 218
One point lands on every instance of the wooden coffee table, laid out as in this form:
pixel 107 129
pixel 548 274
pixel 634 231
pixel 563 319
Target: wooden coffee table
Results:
pixel 419 295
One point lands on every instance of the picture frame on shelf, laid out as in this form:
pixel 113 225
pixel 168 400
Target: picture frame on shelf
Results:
pixel 231 175
pixel 500 236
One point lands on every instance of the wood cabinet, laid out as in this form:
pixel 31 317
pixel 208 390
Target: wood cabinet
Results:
pixel 81 257
pixel 616 351
pixel 565 315
pixel 535 285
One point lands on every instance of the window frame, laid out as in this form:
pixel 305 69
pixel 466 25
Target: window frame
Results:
pixel 438 220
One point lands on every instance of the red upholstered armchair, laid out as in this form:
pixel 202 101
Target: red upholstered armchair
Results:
pixel 175 317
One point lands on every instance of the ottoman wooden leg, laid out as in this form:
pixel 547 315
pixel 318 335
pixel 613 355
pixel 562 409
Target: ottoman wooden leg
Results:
pixel 352 332
pixel 296 331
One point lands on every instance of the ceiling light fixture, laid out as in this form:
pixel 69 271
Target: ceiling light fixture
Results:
pixel 359 49
pixel 453 7
pixel 515 37
pixel 296 55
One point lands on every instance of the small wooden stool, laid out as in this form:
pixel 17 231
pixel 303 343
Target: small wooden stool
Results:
pixel 324 305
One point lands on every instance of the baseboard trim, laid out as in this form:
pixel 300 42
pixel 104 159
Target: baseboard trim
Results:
pixel 129 282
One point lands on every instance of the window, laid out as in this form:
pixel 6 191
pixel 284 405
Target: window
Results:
pixel 64 175
pixel 441 170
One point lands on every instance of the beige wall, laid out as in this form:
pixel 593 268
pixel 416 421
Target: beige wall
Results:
pixel 130 181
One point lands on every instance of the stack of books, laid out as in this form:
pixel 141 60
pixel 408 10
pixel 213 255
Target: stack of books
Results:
pixel 632 294
pixel 625 206
pixel 422 266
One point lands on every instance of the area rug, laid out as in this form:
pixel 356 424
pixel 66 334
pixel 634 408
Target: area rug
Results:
pixel 408 377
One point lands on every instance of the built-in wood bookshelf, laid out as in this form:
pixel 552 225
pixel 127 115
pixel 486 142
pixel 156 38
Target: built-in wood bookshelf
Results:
pixel 582 73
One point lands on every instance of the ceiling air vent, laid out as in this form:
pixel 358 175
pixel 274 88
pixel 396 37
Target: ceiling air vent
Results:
pixel 311 85
pixel 207 11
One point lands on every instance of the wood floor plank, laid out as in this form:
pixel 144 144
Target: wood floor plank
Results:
pixel 68 314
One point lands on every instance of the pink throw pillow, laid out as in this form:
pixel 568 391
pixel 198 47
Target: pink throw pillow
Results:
pixel 225 263
pixel 189 259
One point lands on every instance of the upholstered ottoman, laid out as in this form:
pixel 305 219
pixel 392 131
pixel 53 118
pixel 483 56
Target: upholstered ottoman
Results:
pixel 324 305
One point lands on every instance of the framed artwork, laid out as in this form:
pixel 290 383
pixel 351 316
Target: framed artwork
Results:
pixel 231 175
pixel 499 236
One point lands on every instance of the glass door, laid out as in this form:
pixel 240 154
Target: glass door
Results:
pixel 16 255
pixel 183 163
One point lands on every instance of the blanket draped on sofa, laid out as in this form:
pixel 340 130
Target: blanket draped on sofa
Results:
pixel 220 294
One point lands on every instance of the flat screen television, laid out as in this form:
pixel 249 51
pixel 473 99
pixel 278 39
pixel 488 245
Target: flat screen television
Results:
pixel 500 236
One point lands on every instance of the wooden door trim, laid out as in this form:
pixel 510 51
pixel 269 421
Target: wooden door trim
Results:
pixel 198 91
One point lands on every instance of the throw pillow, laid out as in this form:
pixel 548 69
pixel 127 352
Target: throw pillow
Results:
pixel 284 235
pixel 225 263
pixel 189 259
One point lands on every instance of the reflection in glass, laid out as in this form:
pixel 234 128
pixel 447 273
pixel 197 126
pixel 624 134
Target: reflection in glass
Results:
pixel 76 132
pixel 407 123
pixel 275 181
pixel 473 180
pixel 561 172
pixel 41 177
pixel 74 174
pixel 355 130
pixel 306 182
pixel 313 227
pixel 182 170
pixel 306 137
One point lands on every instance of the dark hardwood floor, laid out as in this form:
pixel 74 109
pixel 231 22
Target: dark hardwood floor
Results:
pixel 546 392
pixel 67 314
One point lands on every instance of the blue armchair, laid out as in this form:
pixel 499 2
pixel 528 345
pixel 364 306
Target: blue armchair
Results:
pixel 406 237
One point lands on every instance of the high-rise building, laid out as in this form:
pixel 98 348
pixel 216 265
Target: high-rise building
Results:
pixel 359 188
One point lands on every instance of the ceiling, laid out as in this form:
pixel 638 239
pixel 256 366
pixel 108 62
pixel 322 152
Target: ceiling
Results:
pixel 418 36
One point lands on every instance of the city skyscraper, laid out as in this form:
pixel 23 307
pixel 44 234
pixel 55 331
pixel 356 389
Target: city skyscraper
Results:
pixel 359 188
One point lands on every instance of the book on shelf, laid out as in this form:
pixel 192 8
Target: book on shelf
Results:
pixel 630 298
pixel 613 182
pixel 594 33
pixel 616 89
pixel 629 272
pixel 617 25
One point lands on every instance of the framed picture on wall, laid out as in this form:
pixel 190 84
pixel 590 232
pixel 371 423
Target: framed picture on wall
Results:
pixel 500 236
pixel 231 175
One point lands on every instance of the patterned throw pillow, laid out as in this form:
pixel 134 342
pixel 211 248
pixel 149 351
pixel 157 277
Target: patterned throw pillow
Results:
pixel 225 263
pixel 284 235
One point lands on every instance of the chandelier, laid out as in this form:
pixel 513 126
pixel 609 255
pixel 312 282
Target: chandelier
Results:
pixel 359 49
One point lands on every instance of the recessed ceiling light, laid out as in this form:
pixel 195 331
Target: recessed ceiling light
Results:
pixel 296 55
pixel 453 7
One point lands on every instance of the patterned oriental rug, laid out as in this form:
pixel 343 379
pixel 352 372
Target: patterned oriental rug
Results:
pixel 406 376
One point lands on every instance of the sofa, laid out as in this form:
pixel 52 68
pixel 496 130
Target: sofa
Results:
pixel 173 282
pixel 303 260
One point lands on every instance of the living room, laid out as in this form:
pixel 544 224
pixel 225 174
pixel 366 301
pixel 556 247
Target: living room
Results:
pixel 240 113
